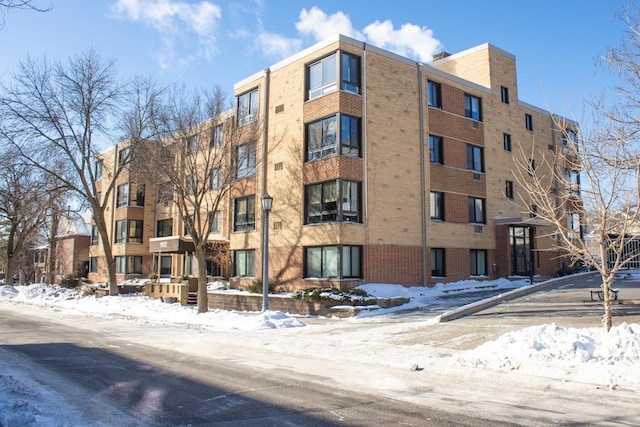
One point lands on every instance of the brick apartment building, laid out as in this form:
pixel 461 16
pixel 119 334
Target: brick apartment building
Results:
pixel 381 169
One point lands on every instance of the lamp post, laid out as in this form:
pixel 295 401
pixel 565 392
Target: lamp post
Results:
pixel 267 202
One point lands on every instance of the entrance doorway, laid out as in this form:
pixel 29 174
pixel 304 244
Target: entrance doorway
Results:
pixel 520 239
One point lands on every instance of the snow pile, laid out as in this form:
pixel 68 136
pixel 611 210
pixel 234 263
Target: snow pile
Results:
pixel 8 291
pixel 621 345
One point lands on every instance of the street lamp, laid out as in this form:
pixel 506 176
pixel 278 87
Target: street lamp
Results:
pixel 267 202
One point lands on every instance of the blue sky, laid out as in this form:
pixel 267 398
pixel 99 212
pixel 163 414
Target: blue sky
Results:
pixel 220 42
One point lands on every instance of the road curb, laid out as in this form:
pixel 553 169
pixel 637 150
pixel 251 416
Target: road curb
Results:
pixel 477 306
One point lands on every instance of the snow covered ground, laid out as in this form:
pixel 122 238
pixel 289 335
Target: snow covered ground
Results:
pixel 588 355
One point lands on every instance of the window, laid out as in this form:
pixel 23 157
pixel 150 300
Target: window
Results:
pixel 438 262
pixel 531 166
pixel 350 73
pixel 124 158
pixel 214 222
pixel 504 91
pixel 437 205
pixel 130 195
pixel 218 136
pixel 321 202
pixel 476 211
pixel 324 140
pixel 244 213
pixel 129 231
pixel 475 160
pixel 215 178
pixel 213 268
pixel 569 142
pixel 343 262
pixel 93 264
pixel 434 94
pixel 508 189
pixel 573 225
pixel 248 104
pixel 245 160
pixel 165 193
pixel 506 141
pixel 99 165
pixel 572 180
pixel 322 77
pixel 243 263
pixel 478 262
pixel 128 264
pixel 528 121
pixel 94 235
pixel 435 149
pixel 164 227
pixel 165 265
pixel 473 107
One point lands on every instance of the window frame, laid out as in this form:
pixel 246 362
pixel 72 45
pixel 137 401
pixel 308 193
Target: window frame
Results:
pixel 475 158
pixel 438 262
pixel 132 264
pixel 130 195
pixel 347 137
pixel 434 94
pixel 528 121
pixel 347 258
pixel 436 205
pixel 95 235
pixel 129 231
pixel 472 111
pixel 214 222
pixel 328 210
pixel 506 141
pixel 436 149
pixel 504 94
pixel 249 222
pixel 249 266
pixel 247 111
pixel 475 268
pixel 162 230
pixel 98 169
pixel 508 189
pixel 339 70
pixel 93 265
pixel 246 162
pixel 477 210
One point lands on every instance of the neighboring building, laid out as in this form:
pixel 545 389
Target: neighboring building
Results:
pixel 381 169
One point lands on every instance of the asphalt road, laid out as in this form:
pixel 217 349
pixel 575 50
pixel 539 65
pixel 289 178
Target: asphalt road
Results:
pixel 115 380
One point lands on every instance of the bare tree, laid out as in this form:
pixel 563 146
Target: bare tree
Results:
pixel 595 177
pixel 5 5
pixel 60 117
pixel 203 154
pixel 24 201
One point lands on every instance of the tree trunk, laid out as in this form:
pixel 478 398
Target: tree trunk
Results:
pixel 606 286
pixel 108 254
pixel 203 302
pixel 51 256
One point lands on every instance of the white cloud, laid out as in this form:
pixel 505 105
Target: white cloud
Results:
pixel 276 45
pixel 410 40
pixel 320 26
pixel 176 22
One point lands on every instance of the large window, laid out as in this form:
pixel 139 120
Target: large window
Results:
pixel 477 211
pixel 434 94
pixel 130 195
pixel 478 259
pixel 214 222
pixel 164 227
pixel 436 154
pixel 215 179
pixel 438 262
pixel 332 201
pixel 218 136
pixel 165 265
pixel 124 158
pixel 475 158
pixel 343 262
pixel 245 160
pixel 93 264
pixel 129 231
pixel 323 75
pixel 128 265
pixel 437 205
pixel 243 263
pixel 473 107
pixel 164 193
pixel 572 179
pixel 248 105
pixel 244 218
pixel 324 140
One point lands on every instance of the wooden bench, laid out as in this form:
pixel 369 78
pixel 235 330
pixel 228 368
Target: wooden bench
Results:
pixel 613 294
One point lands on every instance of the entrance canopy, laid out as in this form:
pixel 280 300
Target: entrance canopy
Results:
pixel 171 244
pixel 521 220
